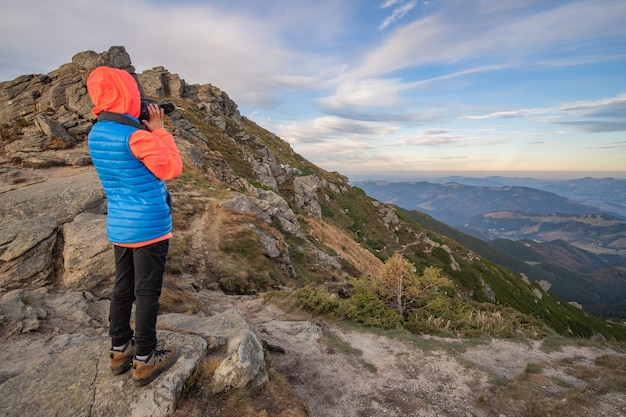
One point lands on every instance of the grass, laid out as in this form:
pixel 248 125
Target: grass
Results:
pixel 176 299
pixel 533 368
pixel 536 393
pixel 336 344
pixel 556 343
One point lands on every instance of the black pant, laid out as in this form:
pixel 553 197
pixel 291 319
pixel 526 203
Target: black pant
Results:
pixel 138 278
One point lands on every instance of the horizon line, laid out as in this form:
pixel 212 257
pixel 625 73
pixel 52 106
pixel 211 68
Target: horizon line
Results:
pixel 495 173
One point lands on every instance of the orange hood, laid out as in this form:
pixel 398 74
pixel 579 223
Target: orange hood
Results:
pixel 113 90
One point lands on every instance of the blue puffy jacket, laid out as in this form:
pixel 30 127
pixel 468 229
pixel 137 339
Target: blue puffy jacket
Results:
pixel 138 203
pixel 132 163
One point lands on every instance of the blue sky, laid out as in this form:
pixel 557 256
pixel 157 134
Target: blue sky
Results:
pixel 373 87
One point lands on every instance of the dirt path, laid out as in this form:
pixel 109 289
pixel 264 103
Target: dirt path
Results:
pixel 349 373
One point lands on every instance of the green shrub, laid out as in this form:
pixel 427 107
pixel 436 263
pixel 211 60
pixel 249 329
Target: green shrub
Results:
pixel 317 301
pixel 366 308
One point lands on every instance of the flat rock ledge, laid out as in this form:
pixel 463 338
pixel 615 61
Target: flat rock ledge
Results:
pixel 69 375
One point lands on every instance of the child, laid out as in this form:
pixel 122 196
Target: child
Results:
pixel 133 161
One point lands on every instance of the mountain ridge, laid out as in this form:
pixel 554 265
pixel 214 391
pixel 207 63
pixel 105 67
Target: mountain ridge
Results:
pixel 237 172
pixel 250 216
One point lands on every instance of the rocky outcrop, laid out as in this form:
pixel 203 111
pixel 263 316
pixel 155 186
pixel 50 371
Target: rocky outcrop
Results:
pixel 87 266
pixel 73 379
pixel 31 222
pixel 56 264
pixel 244 362
pixel 388 215
pixel 67 374
pixel 49 224
pixel 305 189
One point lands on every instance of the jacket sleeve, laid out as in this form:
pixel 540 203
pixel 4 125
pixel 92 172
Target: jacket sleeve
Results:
pixel 157 150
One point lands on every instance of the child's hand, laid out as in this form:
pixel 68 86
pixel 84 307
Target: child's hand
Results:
pixel 155 120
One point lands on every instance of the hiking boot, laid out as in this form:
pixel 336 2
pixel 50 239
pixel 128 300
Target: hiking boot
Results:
pixel 160 360
pixel 122 361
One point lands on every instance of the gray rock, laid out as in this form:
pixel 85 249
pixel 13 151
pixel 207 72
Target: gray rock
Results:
pixel 26 252
pixel 244 361
pixel 306 189
pixel 268 243
pixel 87 265
pixel 28 237
pixel 158 82
pixel 291 333
pixel 277 208
pixel 16 316
pixel 57 134
pixel 243 203
pixel 63 198
pixel 75 380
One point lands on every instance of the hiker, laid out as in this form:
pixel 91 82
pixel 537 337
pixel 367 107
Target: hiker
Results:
pixel 133 159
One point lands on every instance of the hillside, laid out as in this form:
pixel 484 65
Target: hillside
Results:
pixel 573 274
pixel 516 213
pixel 251 217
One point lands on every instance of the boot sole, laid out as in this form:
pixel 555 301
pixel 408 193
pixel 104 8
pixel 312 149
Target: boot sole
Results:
pixel 145 381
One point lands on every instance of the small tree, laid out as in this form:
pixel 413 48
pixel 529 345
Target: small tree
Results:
pixel 397 283
pixel 404 289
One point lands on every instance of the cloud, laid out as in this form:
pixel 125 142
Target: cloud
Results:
pixel 432 137
pixel 505 114
pixel 591 116
pixel 398 12
pixel 331 128
pixel 389 3
pixel 456 33
pixel 608 106
pixel 589 126
pixel 207 42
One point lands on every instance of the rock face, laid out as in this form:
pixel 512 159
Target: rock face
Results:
pixel 44 122
pixel 56 265
pixel 31 220
pixel 75 381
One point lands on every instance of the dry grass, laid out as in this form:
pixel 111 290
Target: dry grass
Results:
pixel 176 297
pixel 346 247
pixel 569 388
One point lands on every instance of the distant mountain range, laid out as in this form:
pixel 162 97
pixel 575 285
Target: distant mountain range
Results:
pixel 607 194
pixel 455 204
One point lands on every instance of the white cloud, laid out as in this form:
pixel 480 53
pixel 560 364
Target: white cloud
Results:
pixel 398 13
pixel 389 3
pixel 455 34
pixel 331 128
pixel 603 115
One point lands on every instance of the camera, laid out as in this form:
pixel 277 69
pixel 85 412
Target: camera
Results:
pixel 167 107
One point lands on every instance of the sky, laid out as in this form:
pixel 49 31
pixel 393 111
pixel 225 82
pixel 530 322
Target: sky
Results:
pixel 375 87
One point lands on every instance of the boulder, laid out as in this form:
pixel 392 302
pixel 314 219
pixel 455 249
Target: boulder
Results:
pixel 306 189
pixel 16 316
pixel 243 364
